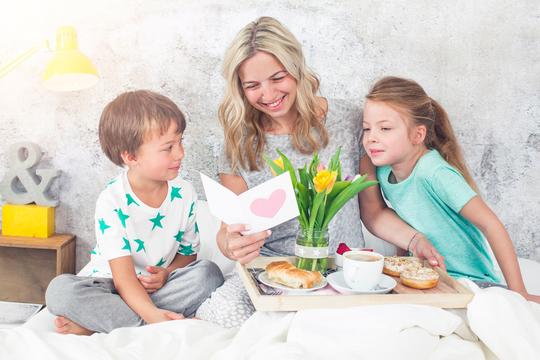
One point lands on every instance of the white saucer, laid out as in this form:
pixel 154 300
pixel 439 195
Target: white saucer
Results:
pixel 263 277
pixel 337 281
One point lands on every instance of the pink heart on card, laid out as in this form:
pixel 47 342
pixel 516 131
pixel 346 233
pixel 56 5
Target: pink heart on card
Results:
pixel 268 207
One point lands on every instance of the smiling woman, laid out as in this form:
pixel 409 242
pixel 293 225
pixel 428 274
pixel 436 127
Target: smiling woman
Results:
pixel 269 88
pixel 271 102
pixel 270 91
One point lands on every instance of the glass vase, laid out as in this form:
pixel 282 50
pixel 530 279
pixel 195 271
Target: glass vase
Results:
pixel 311 250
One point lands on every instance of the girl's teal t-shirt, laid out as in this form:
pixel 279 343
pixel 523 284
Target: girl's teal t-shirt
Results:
pixel 430 200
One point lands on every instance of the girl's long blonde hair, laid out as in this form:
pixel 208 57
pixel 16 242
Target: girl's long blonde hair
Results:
pixel 242 124
pixel 408 96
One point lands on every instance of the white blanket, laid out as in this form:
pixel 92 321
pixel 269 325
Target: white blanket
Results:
pixel 506 323
pixel 505 326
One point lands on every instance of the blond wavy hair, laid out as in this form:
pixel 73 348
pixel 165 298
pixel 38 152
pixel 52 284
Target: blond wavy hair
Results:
pixel 409 97
pixel 243 128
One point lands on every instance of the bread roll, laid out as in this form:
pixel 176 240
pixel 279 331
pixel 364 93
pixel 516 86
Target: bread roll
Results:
pixel 285 273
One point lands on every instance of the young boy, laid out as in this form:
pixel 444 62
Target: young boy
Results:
pixel 143 268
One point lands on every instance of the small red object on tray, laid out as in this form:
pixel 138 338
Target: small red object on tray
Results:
pixel 342 248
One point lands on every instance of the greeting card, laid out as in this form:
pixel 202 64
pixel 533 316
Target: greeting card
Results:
pixel 262 207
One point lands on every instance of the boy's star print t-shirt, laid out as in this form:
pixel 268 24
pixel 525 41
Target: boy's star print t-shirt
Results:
pixel 125 226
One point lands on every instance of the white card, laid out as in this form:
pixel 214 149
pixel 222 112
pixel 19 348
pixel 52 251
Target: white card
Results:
pixel 262 207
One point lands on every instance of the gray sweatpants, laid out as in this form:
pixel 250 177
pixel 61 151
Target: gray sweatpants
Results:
pixel 94 303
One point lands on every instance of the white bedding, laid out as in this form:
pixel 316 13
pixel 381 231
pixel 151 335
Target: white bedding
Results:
pixel 502 321
pixel 505 326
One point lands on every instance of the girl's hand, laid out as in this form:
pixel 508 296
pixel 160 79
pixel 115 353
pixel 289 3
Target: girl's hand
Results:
pixel 531 297
pixel 155 281
pixel 422 248
pixel 239 247
pixel 161 315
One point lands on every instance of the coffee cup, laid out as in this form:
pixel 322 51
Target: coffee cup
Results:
pixel 339 258
pixel 362 269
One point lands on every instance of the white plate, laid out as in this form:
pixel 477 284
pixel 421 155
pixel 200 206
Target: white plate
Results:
pixel 263 277
pixel 337 281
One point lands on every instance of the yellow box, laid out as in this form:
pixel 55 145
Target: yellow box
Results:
pixel 27 220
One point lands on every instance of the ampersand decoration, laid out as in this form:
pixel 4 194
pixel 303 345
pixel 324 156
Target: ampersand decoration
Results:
pixel 23 184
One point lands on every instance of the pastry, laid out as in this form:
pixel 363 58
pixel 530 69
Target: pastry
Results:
pixel 285 273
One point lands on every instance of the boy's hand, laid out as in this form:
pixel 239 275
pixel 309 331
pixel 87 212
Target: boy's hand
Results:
pixel 161 315
pixel 155 281
pixel 422 248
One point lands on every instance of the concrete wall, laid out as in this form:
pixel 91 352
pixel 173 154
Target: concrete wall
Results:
pixel 480 59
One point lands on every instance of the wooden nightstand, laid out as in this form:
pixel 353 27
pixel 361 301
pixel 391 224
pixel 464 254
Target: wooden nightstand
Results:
pixel 28 264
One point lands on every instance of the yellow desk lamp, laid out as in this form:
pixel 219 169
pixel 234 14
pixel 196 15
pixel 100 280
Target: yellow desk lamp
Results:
pixel 69 70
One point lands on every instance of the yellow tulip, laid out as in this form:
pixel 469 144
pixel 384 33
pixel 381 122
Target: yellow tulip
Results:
pixel 324 180
pixel 278 162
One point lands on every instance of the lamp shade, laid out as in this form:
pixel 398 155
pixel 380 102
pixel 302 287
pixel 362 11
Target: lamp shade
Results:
pixel 69 70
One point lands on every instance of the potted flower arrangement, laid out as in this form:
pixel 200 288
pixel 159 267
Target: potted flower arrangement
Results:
pixel 320 193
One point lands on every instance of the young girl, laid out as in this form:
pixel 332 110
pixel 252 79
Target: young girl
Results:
pixel 422 173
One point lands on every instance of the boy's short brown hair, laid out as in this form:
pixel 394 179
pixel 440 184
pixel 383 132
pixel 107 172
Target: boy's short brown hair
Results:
pixel 127 119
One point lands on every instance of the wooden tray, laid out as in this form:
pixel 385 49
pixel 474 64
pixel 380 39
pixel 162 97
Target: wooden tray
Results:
pixel 447 294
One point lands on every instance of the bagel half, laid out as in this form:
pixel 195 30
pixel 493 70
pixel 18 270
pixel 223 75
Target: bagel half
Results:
pixel 421 278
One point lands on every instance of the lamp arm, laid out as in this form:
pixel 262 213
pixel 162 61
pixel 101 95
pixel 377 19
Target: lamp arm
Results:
pixel 21 58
